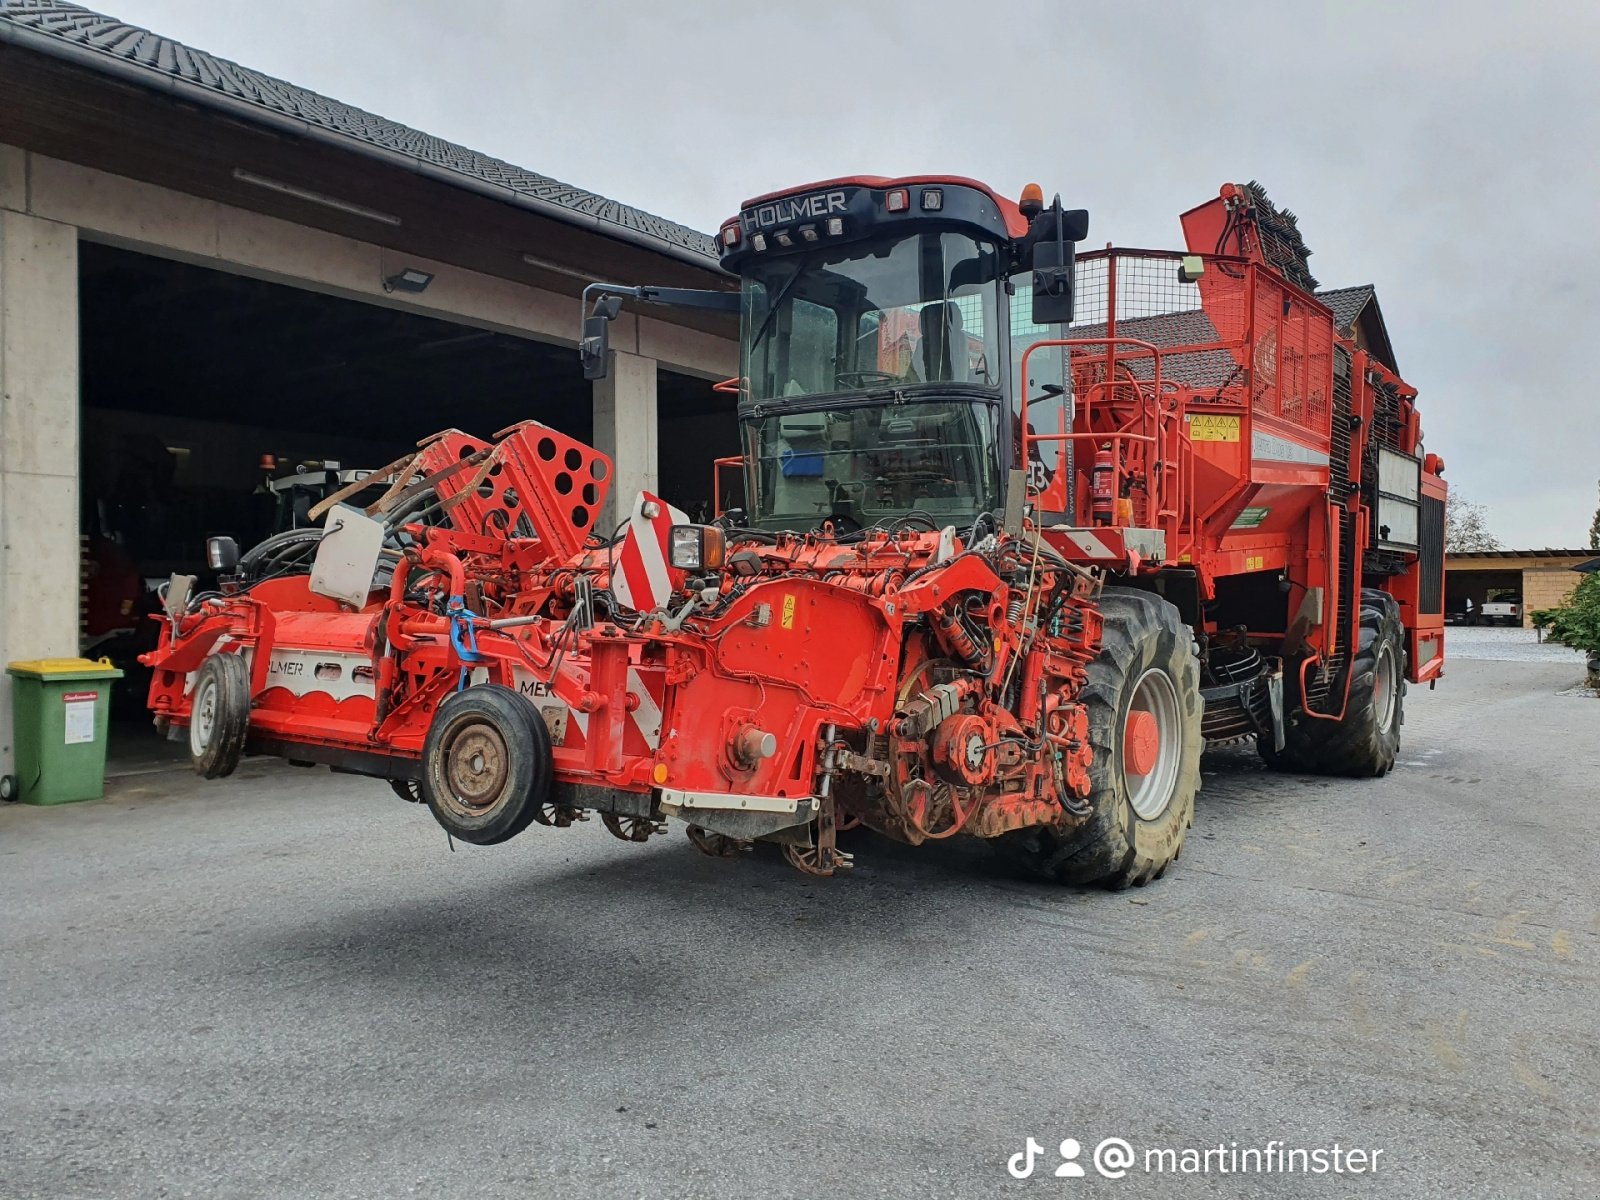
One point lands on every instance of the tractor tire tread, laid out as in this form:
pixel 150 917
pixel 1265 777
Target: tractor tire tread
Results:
pixel 1114 848
pixel 1354 747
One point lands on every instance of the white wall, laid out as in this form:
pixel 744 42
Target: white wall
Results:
pixel 38 446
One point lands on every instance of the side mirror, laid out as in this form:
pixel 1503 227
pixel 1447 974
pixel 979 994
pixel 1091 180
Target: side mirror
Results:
pixel 1075 224
pixel 595 346
pixel 222 554
pixel 1053 264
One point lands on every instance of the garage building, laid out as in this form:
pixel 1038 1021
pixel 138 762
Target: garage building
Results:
pixel 1540 578
pixel 209 277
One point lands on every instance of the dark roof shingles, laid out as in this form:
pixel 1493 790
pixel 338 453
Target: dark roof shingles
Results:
pixel 1346 303
pixel 163 56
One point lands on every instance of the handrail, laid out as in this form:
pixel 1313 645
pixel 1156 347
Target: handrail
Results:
pixel 717 466
pixel 1149 426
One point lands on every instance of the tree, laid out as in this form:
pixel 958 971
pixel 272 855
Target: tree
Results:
pixel 1466 527
pixel 1594 530
pixel 1576 622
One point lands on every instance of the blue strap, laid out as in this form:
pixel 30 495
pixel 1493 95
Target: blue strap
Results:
pixel 463 634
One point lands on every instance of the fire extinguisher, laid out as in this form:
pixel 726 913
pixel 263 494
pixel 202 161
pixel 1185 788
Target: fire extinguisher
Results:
pixel 1103 486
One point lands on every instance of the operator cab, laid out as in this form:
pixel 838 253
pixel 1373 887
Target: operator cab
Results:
pixel 880 347
pixel 875 351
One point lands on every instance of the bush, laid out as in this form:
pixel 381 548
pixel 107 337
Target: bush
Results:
pixel 1577 622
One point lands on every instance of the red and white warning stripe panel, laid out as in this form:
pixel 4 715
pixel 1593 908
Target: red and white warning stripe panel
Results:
pixel 1100 545
pixel 643 580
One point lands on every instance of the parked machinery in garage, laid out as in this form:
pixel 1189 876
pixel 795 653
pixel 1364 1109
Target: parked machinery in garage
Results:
pixel 992 577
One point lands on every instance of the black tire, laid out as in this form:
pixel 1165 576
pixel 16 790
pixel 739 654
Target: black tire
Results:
pixel 1121 844
pixel 486 764
pixel 1365 743
pixel 219 715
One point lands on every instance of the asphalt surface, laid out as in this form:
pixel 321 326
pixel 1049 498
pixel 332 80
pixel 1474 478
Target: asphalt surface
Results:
pixel 285 984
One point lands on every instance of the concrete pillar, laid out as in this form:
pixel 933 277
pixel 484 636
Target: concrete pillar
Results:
pixel 39 556
pixel 625 428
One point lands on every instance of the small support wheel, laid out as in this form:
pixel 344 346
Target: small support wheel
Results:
pixel 486 764
pixel 219 715
pixel 556 816
pixel 630 829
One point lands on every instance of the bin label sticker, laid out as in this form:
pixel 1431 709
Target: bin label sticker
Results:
pixel 80 717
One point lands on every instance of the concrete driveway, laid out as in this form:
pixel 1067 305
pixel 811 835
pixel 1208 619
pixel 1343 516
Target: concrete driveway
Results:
pixel 286 984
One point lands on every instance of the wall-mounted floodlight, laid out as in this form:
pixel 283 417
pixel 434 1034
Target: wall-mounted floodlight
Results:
pixel 408 280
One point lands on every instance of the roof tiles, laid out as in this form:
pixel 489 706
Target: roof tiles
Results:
pixel 163 57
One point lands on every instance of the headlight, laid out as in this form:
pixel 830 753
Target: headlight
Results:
pixel 695 548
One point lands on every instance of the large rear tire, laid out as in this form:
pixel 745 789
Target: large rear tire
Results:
pixel 1143 698
pixel 486 764
pixel 1365 743
pixel 219 715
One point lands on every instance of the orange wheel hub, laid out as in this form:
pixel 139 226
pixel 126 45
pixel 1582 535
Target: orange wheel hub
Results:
pixel 1141 742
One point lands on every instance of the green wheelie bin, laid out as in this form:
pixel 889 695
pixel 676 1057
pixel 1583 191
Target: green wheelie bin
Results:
pixel 60 708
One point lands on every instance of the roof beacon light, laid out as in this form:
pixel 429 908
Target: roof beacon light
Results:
pixel 932 199
pixel 835 226
pixel 1032 202
pixel 898 200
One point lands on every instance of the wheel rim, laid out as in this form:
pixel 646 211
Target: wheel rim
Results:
pixel 1153 716
pixel 1384 687
pixel 203 717
pixel 476 768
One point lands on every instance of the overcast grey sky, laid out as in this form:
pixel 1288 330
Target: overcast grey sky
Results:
pixel 1448 153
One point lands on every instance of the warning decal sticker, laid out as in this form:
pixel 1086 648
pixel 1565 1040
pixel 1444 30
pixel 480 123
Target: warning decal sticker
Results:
pixel 1213 427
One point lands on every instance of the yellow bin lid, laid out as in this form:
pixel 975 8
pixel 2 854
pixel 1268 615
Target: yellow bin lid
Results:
pixel 63 668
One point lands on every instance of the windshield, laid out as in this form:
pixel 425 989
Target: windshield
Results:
pixel 871 464
pixel 867 315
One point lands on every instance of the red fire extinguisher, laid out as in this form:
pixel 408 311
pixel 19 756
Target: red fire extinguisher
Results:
pixel 1103 486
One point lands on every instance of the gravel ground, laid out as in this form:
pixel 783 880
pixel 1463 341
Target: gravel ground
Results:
pixel 285 984
pixel 1496 643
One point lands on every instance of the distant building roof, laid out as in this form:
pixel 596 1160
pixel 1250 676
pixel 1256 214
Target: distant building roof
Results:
pixel 136 55
pixel 1347 302
pixel 1356 313
pixel 1191 327
pixel 1520 554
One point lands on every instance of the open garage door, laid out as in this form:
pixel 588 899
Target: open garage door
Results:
pixel 202 391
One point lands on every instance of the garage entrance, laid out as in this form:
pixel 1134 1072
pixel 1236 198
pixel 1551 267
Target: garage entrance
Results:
pixel 199 387
pixel 204 393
